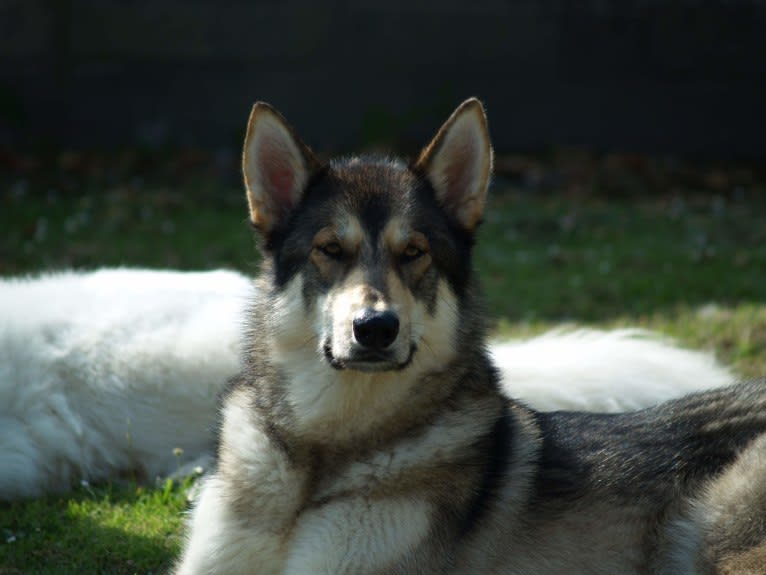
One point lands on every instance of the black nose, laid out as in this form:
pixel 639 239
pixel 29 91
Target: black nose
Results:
pixel 376 329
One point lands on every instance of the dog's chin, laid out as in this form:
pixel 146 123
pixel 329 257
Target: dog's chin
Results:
pixel 369 362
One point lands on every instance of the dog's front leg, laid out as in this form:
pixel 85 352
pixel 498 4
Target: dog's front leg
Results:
pixel 247 508
pixel 221 541
pixel 359 536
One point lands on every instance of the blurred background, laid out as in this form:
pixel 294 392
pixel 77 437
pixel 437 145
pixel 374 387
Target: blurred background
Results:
pixel 629 136
pixel 653 76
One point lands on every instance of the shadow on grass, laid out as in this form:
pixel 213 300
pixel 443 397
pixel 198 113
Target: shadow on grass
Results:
pixel 120 530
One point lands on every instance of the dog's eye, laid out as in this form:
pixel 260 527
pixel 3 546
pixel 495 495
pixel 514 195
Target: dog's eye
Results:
pixel 411 252
pixel 332 249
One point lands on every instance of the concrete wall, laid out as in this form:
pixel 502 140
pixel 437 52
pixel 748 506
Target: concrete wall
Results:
pixel 661 76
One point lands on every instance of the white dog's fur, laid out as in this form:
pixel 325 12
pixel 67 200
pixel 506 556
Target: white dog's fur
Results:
pixel 109 371
pixel 106 373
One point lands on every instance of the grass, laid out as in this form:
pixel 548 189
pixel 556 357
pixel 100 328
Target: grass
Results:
pixel 687 262
pixel 691 268
pixel 105 529
pixel 594 260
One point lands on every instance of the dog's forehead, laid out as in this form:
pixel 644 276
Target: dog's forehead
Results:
pixel 377 182
pixel 374 190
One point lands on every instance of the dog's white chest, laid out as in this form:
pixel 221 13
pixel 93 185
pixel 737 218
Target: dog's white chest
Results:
pixel 270 526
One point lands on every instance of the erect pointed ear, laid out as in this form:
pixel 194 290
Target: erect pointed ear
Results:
pixel 458 163
pixel 277 167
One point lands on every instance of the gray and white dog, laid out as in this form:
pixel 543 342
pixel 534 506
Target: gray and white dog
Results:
pixel 368 433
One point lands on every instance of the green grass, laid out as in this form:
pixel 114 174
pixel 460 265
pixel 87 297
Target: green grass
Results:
pixel 125 226
pixel 103 529
pixel 686 264
pixel 691 268
pixel 592 260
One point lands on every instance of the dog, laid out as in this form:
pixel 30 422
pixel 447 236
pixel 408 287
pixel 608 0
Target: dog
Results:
pixel 368 430
pixel 113 374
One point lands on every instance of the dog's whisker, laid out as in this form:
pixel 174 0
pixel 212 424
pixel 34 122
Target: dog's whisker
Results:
pixel 450 305
pixel 426 345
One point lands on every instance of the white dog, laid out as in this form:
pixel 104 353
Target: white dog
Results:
pixel 114 373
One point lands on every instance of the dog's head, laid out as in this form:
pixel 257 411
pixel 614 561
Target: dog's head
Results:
pixel 368 258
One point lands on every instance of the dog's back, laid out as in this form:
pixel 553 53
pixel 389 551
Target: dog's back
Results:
pixel 677 488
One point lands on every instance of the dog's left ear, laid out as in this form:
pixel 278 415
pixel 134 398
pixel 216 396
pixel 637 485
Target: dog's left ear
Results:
pixel 458 163
pixel 277 167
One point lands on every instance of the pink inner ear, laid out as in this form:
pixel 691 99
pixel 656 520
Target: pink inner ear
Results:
pixel 278 175
pixel 281 181
pixel 460 174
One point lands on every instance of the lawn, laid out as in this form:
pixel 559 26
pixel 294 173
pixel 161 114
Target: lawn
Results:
pixel 103 529
pixel 679 249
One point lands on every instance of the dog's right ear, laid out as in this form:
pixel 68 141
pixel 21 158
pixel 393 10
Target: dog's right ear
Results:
pixel 458 163
pixel 277 167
